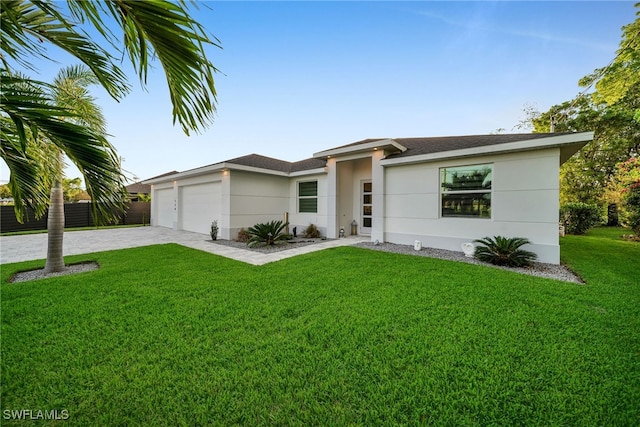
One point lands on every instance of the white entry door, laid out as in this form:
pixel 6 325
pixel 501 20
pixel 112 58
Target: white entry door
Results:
pixel 367 207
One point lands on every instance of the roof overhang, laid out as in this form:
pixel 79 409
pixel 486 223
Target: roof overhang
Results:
pixel 316 171
pixel 218 167
pixel 388 145
pixel 569 144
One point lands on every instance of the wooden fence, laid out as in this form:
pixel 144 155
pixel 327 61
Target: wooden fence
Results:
pixel 75 215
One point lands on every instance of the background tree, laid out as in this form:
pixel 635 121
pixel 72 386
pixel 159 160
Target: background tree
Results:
pixel 72 190
pixel 612 111
pixel 140 31
pixel 627 184
pixel 142 197
pixel 5 193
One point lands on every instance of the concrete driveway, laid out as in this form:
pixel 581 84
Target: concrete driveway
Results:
pixel 34 246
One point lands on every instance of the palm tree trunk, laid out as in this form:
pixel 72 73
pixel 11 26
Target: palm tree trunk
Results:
pixel 55 226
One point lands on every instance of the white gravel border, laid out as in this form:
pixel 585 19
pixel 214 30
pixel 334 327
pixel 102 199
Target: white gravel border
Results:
pixel 539 269
pixel 25 276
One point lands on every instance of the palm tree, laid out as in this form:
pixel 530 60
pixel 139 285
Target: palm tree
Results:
pixel 69 91
pixel 148 29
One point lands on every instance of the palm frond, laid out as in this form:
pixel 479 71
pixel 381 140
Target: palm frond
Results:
pixel 25 25
pixel 26 181
pixel 71 92
pixel 27 104
pixel 164 30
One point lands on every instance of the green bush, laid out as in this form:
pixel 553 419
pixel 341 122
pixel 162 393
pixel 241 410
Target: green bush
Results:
pixel 578 218
pixel 504 251
pixel 311 232
pixel 632 205
pixel 267 233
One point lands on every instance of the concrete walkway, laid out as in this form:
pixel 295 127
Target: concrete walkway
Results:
pixel 34 246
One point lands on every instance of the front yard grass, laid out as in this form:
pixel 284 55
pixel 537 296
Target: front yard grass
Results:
pixel 166 335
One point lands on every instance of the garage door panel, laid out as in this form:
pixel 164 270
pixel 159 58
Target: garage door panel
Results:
pixel 164 207
pixel 199 206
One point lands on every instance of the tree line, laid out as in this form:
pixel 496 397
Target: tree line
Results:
pixel 605 173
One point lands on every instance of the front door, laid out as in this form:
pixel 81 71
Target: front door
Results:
pixel 367 200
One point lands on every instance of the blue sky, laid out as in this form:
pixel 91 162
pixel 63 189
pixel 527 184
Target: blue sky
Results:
pixel 300 77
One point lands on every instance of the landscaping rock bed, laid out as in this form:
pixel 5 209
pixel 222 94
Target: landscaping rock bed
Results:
pixel 549 271
pixel 25 276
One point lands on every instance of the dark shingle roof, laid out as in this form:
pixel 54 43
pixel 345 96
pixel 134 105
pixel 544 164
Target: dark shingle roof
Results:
pixel 138 187
pixel 418 146
pixel 308 164
pixel 263 162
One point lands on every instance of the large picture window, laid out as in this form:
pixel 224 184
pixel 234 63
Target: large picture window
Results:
pixel 466 191
pixel 308 197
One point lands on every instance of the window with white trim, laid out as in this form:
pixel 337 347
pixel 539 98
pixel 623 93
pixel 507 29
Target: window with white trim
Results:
pixel 465 191
pixel 308 197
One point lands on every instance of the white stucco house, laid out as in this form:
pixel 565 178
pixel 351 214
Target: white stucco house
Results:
pixel 442 191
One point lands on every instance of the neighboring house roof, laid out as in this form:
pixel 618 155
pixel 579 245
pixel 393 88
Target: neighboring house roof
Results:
pixel 138 187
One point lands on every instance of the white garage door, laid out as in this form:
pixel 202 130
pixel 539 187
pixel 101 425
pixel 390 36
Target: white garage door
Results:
pixel 200 206
pixel 164 207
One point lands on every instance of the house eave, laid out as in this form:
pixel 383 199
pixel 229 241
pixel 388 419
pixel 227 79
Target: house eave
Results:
pixel 316 171
pixel 187 174
pixel 233 166
pixel 569 144
pixel 224 166
pixel 218 167
pixel 388 145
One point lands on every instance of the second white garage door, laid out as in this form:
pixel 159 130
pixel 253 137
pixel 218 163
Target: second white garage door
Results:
pixel 200 206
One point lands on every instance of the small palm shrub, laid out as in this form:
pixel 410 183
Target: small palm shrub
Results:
pixel 243 236
pixel 504 251
pixel 267 233
pixel 311 232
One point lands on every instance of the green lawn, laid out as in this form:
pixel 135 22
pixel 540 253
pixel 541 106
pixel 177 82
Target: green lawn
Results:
pixel 166 335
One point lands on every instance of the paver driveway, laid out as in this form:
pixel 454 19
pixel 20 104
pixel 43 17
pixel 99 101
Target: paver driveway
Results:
pixel 34 246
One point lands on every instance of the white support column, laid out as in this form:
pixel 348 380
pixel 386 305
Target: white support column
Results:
pixel 377 179
pixel 332 199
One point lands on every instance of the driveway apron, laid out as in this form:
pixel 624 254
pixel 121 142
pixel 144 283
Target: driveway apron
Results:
pixel 34 246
